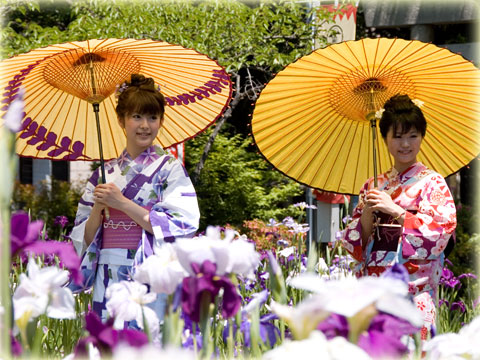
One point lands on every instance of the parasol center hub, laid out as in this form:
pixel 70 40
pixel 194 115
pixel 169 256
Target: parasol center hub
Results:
pixel 369 87
pixel 91 76
pixel 355 95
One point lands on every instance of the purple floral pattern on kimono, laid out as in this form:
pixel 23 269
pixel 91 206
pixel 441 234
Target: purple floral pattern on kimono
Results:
pixel 154 180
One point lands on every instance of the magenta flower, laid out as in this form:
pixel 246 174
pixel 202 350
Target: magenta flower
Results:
pixel 61 220
pixel 24 237
pixel 64 251
pixel 382 339
pixel 333 326
pixel 442 302
pixel 458 305
pixel 397 271
pixel 23 232
pixel 205 279
pixel 105 337
pixel 448 279
pixel 467 275
pixel 17 349
pixel 269 333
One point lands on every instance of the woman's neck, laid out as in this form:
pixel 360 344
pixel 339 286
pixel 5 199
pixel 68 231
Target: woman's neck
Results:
pixel 401 167
pixel 134 152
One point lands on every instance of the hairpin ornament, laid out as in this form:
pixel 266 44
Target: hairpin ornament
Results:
pixel 120 88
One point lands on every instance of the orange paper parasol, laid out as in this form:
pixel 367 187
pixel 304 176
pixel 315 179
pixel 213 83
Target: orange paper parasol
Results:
pixel 62 81
pixel 313 121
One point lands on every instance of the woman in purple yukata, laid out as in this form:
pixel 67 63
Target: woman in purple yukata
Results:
pixel 148 193
pixel 416 202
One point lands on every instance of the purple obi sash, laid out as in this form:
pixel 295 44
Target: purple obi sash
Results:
pixel 120 231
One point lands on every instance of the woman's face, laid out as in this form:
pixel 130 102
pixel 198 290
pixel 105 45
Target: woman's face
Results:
pixel 404 147
pixel 141 131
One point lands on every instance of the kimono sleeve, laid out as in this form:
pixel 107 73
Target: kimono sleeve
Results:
pixel 351 238
pixel 83 212
pixel 426 234
pixel 176 214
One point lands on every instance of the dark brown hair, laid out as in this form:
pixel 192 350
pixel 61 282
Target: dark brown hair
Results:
pixel 141 96
pixel 401 113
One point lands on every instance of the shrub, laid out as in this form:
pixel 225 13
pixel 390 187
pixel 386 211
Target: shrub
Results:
pixel 47 201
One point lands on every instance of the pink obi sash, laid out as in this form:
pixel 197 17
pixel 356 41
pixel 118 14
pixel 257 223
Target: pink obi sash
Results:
pixel 120 231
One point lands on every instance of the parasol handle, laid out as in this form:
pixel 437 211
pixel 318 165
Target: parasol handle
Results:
pixel 373 125
pixel 96 108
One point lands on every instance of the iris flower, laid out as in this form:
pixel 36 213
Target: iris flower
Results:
pixel 104 337
pixel 269 333
pixel 161 271
pixel 123 352
pixel 349 296
pixel 65 252
pixel 61 220
pixel 230 254
pixel 302 319
pixel 382 340
pixel 126 302
pixel 463 345
pixel 205 279
pixel 42 292
pixel 316 346
pixel 361 300
pixel 23 232
pixel 303 205
pixel 24 237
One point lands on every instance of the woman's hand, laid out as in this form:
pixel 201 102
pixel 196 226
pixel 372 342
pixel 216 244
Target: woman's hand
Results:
pixel 109 195
pixel 377 200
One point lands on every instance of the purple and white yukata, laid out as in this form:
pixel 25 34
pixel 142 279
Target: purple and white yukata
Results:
pixel 154 180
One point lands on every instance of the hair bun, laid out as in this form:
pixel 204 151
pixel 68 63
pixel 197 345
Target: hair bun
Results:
pixel 399 103
pixel 142 82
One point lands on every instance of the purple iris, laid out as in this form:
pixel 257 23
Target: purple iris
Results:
pixel 397 271
pixel 346 219
pixel 61 220
pixel 24 240
pixel 205 279
pixel 23 232
pixel 64 251
pixel 333 326
pixel 16 346
pixel 188 328
pixel 382 339
pixel 448 279
pixel 282 243
pixel 105 337
pixel 458 305
pixel 269 333
pixel 442 302
pixel 467 275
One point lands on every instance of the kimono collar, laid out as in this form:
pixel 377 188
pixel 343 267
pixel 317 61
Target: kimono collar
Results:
pixel 409 172
pixel 147 157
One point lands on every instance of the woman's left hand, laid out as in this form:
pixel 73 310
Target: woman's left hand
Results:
pixel 110 195
pixel 380 201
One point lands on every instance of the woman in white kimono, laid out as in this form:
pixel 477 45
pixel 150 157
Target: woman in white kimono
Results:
pixel 148 193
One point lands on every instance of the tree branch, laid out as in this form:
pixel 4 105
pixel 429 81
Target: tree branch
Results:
pixel 195 176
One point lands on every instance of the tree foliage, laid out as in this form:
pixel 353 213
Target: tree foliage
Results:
pixel 236 184
pixel 251 40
